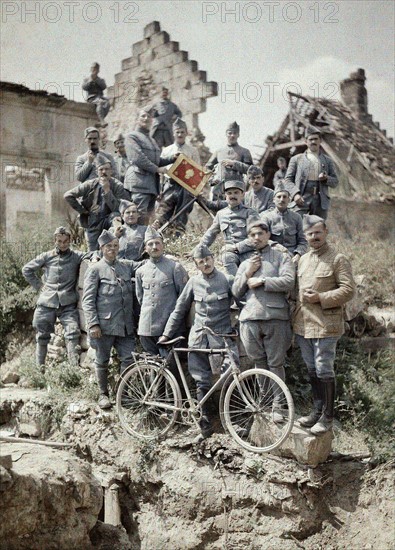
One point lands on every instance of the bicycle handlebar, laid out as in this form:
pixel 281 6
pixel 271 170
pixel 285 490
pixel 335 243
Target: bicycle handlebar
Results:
pixel 210 331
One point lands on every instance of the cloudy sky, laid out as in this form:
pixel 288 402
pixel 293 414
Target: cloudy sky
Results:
pixel 254 50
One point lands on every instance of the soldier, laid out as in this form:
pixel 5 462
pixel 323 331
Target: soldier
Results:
pixel 131 233
pixel 174 196
pixel 211 293
pixel 259 197
pixel 263 282
pixel 158 285
pixel 232 221
pixel 279 176
pixel 121 160
pixel 95 87
pixel 325 284
pixel 286 226
pixel 164 112
pixel 108 306
pixel 85 166
pixel 309 176
pixel 142 176
pixel 58 295
pixel 96 201
pixel 230 163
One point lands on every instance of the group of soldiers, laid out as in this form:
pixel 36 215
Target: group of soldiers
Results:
pixel 271 256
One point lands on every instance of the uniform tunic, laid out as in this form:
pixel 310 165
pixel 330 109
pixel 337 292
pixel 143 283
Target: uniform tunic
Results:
pixel 264 320
pixel 164 113
pixel 261 200
pixel 233 224
pixel 131 242
pixel 58 294
pixel 158 284
pixel 212 296
pixel 242 158
pixel 85 170
pixel 286 228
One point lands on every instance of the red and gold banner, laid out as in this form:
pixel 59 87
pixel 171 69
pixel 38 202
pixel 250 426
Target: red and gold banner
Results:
pixel 189 174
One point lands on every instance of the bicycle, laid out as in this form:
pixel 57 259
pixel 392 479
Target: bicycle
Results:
pixel 256 407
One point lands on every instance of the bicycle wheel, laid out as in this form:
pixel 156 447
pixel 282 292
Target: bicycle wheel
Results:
pixel 147 400
pixel 258 410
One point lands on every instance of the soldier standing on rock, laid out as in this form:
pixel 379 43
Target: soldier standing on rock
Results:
pixel 58 295
pixel 165 113
pixel 325 284
pixel 95 86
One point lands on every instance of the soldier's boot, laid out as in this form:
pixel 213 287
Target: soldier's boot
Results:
pixel 41 354
pixel 318 402
pixel 72 352
pixel 325 422
pixel 102 379
pixel 205 424
pixel 278 396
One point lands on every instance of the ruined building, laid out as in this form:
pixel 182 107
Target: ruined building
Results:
pixel 363 153
pixel 42 133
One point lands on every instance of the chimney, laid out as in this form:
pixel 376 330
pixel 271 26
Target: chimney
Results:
pixel 354 94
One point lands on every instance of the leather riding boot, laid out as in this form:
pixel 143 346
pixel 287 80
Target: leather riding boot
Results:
pixel 325 422
pixel 205 422
pixel 318 402
pixel 41 354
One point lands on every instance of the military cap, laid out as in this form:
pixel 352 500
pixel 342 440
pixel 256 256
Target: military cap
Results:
pixel 233 126
pixel 90 130
pixel 106 237
pixel 95 64
pixel 124 205
pixel 310 219
pixel 280 188
pixel 201 251
pixel 311 131
pixel 118 138
pixel 61 230
pixel 282 158
pixel 151 233
pixel 164 89
pixel 101 159
pixel 233 184
pixel 179 124
pixel 258 223
pixel 254 171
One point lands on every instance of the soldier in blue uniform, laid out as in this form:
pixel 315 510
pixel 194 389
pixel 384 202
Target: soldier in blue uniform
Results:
pixel 95 86
pixel 164 112
pixel 131 233
pixel 279 176
pixel 85 166
pixel 230 162
pixel 258 197
pixel 97 201
pixel 263 282
pixel 121 160
pixel 108 306
pixel 159 283
pixel 232 221
pixel 58 294
pixel 285 225
pixel 212 295
pixel 142 176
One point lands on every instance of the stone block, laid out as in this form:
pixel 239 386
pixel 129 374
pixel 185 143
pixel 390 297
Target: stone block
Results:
pixel 166 49
pixel 146 57
pixel 163 76
pixel 151 29
pixel 185 68
pixel 10 377
pixel 130 63
pixel 6 461
pixel 139 47
pixel 196 105
pixel 211 89
pixel 158 39
pixel 83 324
pixel 31 429
pixel 300 444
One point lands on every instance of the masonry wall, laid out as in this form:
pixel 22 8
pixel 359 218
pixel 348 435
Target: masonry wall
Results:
pixel 44 132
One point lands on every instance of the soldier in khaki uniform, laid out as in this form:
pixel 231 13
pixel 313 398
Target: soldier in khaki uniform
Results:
pixel 211 292
pixel 325 285
pixel 58 294
pixel 121 160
